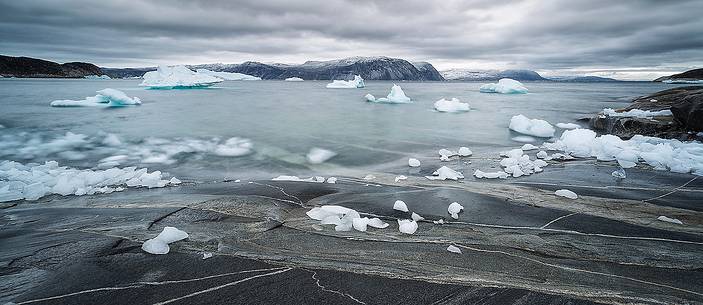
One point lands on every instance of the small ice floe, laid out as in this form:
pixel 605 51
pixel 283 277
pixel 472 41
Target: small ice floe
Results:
pixel 107 97
pixel 490 175
pixel 407 226
pixel 33 181
pixel 504 86
pixel 369 177
pixel 444 173
pixel 319 155
pixel 401 177
pixel 568 125
pixel 670 220
pixel 454 209
pixel 228 75
pixel 159 244
pixel 465 152
pixel 636 113
pixel 445 154
pixel 454 249
pixel 397 96
pixel 542 154
pixel 453 105
pixel 518 164
pixel 412 162
pixel 332 180
pixel 438 222
pixel 317 179
pixel 400 206
pixel 528 146
pixel 416 217
pixel 294 79
pixel 357 82
pixel 177 77
pixel 566 194
pixel 532 127
pixel 619 174
pixel 344 219
pixel 207 255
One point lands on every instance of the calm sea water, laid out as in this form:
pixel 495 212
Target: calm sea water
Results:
pixel 283 121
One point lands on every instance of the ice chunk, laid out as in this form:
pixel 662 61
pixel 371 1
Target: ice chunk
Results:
pixel 400 206
pixel 401 177
pixel 107 97
pixel 317 179
pixel 357 82
pixel 620 173
pixel 320 213
pixel 228 75
pixel 454 209
pixel 294 79
pixel 397 96
pixel 445 154
pixel 568 125
pixel 465 151
pixel 566 193
pixel 453 249
pixel 416 217
pixel 407 226
pixel 171 234
pixel 360 224
pixel 438 222
pixel 319 155
pixel 505 86
pixel 155 246
pixel 636 113
pixel 490 175
pixel 412 162
pixel 207 255
pixel 542 154
pixel 528 147
pixel 177 77
pixel 670 220
pixel 533 127
pixel 234 147
pixel 377 223
pixel 369 177
pixel 453 105
pixel 444 173
pixel 331 180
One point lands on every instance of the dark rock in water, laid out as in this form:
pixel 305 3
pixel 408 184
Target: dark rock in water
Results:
pixel 32 67
pixel 685 103
pixel 690 75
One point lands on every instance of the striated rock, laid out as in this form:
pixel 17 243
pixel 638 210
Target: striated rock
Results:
pixel 35 68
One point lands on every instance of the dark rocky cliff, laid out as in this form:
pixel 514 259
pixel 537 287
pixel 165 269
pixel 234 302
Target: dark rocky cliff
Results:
pixel 32 67
pixel 695 74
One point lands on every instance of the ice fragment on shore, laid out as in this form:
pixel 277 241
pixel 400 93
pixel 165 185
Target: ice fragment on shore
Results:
pixel 620 173
pixel 155 246
pixel 416 217
pixel 670 220
pixel 533 127
pixel 207 255
pixel 444 173
pixel 159 244
pixel 453 249
pixel 490 175
pixel 332 180
pixel 504 86
pixel 412 162
pixel 566 193
pixel 454 209
pixel 407 226
pixel 465 152
pixel 369 177
pixel 400 206
pixel 401 177
pixel 319 155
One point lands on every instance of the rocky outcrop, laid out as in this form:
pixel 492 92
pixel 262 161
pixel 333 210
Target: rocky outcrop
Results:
pixel 695 75
pixel 686 121
pixel 428 70
pixel 35 68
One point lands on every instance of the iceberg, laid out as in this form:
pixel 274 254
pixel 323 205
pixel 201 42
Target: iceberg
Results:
pixel 636 113
pixel 107 97
pixel 444 173
pixel 504 86
pixel 453 105
pixel 319 155
pixel 177 77
pixel 33 181
pixel 228 75
pixel 532 127
pixel 294 79
pixel 357 82
pixel 396 96
pixel 566 194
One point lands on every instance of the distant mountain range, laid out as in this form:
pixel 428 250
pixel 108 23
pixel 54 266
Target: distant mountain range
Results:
pixel 519 75
pixel 36 68
pixel 690 76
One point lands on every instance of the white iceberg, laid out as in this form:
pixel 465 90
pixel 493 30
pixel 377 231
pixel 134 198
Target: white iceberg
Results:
pixel 294 79
pixel 453 105
pixel 177 77
pixel 444 173
pixel 357 82
pixel 412 162
pixel 159 244
pixel 319 155
pixel 568 125
pixel 407 226
pixel 454 209
pixel 453 249
pixel 400 206
pixel 396 96
pixel 505 86
pixel 107 97
pixel 670 220
pixel 566 194
pixel 33 181
pixel 228 75
pixel 636 113
pixel 532 127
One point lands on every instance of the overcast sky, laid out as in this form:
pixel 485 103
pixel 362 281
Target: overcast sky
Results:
pixel 622 39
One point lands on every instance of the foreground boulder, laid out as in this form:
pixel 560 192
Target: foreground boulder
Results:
pixel 686 121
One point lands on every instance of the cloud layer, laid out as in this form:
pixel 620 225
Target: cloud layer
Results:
pixel 545 35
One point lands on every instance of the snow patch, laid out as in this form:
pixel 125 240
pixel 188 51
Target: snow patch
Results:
pixel 636 113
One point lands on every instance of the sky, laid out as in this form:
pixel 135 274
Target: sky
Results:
pixel 620 39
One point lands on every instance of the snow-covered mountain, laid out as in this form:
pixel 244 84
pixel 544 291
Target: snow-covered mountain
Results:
pixel 490 75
